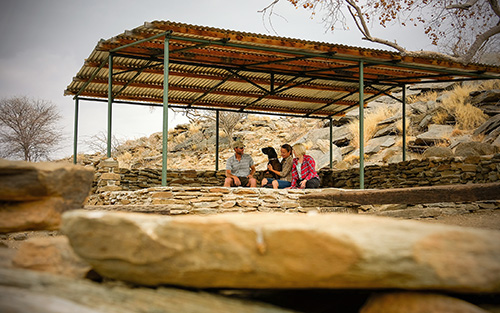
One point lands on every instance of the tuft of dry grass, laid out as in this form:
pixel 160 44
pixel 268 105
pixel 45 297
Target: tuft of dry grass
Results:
pixel 427 96
pixel 467 116
pixel 125 159
pixel 490 84
pixel 370 125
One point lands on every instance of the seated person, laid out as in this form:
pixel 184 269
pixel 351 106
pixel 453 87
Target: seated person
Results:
pixel 286 170
pixel 240 168
pixel 303 169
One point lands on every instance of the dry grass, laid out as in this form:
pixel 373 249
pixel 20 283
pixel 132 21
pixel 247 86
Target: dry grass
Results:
pixel 490 85
pixel 428 96
pixel 125 159
pixel 370 125
pixel 467 116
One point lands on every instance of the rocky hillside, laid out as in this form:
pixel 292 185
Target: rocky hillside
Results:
pixel 452 118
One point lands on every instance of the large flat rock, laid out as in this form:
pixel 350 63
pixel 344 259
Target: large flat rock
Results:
pixel 285 251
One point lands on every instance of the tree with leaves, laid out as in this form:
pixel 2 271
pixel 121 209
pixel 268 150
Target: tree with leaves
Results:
pixel 463 30
pixel 28 128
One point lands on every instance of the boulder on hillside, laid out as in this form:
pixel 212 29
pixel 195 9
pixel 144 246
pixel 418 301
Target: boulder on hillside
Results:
pixel 34 195
pixel 438 152
pixel 489 126
pixel 435 134
pixel 474 148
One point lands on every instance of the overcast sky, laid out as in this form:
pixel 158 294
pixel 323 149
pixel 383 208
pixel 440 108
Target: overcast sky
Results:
pixel 43 44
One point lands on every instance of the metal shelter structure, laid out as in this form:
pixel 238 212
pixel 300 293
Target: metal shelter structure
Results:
pixel 226 70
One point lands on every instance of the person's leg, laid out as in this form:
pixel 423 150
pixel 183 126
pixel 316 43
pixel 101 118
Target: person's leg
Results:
pixel 275 184
pixel 253 182
pixel 313 183
pixel 228 182
pixel 283 184
pixel 264 182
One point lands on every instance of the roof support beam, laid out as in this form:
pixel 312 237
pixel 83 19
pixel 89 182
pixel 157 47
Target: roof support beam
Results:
pixel 75 132
pixel 110 104
pixel 209 91
pixel 165 113
pixel 361 129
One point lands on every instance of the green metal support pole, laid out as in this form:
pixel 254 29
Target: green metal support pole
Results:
pixel 331 143
pixel 165 113
pixel 217 140
pixel 404 122
pixel 361 128
pixel 110 103
pixel 75 133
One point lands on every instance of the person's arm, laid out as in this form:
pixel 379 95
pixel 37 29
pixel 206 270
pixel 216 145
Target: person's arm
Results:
pixel 287 168
pixel 294 176
pixel 252 171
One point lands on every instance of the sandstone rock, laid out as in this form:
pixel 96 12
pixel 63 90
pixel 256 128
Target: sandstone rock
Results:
pixel 286 251
pixel 412 302
pixel 472 148
pixel 33 195
pixel 24 181
pixel 50 254
pixel 29 291
pixel 438 151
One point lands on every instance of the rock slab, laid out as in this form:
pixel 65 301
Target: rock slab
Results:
pixel 29 291
pixel 33 195
pixel 285 251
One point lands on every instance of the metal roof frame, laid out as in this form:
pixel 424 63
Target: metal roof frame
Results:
pixel 218 69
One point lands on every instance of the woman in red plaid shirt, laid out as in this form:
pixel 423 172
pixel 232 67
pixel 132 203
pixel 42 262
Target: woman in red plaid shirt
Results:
pixel 303 169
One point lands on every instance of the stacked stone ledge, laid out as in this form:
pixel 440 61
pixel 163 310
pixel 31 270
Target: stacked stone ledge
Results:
pixel 208 200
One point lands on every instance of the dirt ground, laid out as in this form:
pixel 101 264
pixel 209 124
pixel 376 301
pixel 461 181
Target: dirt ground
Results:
pixel 487 219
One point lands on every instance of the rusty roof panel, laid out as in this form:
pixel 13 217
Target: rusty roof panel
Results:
pixel 226 69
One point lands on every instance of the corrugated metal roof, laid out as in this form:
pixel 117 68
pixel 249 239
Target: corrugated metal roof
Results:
pixel 225 69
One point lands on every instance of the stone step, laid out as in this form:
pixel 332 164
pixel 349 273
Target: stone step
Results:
pixel 414 195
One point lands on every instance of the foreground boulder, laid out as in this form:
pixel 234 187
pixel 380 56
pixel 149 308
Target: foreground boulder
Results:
pixel 285 251
pixel 33 195
pixel 29 291
pixel 50 254
pixel 412 302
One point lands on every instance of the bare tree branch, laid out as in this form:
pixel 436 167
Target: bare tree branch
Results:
pixel 462 6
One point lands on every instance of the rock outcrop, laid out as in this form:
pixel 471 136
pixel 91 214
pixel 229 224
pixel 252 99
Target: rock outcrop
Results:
pixel 34 195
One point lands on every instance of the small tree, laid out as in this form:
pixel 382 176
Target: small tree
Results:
pixel 99 143
pixel 28 128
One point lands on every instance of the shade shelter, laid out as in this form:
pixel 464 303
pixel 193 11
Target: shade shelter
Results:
pixel 217 69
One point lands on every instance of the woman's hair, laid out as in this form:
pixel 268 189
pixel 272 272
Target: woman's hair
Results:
pixel 299 149
pixel 287 147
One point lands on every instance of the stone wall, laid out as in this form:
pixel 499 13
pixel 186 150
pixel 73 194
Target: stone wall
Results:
pixel 426 172
pixel 207 200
